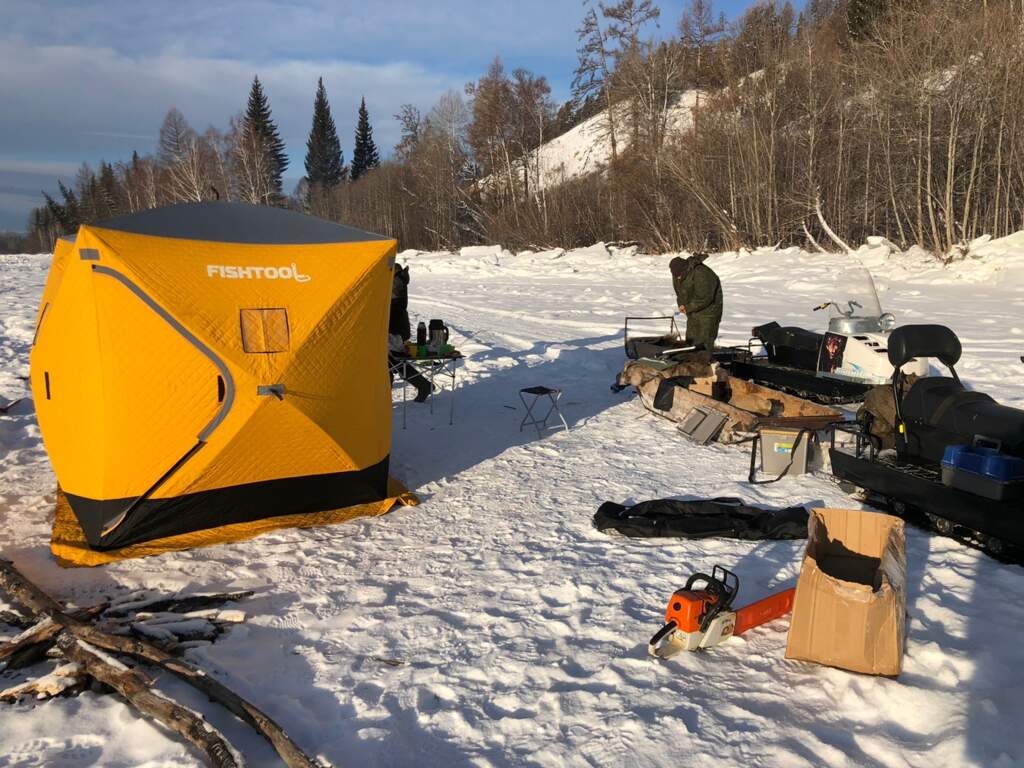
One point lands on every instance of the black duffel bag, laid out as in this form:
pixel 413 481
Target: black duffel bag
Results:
pixel 701 519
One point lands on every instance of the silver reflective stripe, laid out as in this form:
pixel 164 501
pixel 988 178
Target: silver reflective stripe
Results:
pixel 39 325
pixel 89 254
pixel 229 383
pixel 229 390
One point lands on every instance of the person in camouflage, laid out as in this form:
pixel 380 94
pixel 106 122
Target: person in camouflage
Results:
pixel 400 331
pixel 699 295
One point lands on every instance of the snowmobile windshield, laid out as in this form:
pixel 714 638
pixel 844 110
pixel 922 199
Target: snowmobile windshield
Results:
pixel 853 306
pixel 854 295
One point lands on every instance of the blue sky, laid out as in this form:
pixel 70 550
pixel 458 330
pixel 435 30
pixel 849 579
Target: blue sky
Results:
pixel 84 81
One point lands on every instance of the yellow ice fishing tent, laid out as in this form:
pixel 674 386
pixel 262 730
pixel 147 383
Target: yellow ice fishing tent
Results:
pixel 209 364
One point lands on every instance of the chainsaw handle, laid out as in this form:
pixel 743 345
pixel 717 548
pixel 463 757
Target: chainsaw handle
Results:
pixel 654 646
pixel 722 584
pixel 729 580
pixel 694 578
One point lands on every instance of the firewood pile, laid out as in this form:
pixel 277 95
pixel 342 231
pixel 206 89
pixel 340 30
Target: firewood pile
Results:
pixel 107 648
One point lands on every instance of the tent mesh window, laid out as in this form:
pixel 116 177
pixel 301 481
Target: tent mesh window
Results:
pixel 265 330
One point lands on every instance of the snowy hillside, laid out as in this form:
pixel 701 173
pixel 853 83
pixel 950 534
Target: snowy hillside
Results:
pixel 492 625
pixel 586 147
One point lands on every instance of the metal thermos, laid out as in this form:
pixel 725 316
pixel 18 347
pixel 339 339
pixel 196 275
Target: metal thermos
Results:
pixel 421 333
pixel 438 335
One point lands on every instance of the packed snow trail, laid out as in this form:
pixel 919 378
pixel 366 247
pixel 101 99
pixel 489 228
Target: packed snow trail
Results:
pixel 492 625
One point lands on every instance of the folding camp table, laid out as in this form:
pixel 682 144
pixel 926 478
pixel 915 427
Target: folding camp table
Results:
pixel 437 369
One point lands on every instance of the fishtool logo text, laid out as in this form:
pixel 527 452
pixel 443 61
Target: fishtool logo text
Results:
pixel 257 273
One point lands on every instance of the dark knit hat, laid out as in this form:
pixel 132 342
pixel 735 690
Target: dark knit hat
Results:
pixel 677 266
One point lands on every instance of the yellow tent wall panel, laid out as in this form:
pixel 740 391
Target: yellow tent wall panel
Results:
pixel 63 249
pixel 159 421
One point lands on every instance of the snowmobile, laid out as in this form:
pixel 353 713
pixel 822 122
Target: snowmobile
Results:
pixel 937 453
pixel 838 366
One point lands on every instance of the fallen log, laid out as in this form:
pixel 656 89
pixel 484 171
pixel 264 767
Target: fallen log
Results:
pixel 176 604
pixel 25 593
pixel 139 694
pixel 31 597
pixel 60 680
pixel 292 756
pixel 31 645
pixel 15 619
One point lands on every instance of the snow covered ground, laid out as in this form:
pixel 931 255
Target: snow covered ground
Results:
pixel 520 630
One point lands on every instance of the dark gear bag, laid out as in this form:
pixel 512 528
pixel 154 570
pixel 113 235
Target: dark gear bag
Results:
pixel 701 519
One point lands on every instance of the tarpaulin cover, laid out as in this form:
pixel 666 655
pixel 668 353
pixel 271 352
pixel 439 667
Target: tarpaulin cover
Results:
pixel 701 519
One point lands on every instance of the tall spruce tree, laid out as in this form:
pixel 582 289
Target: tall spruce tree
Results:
pixel 364 154
pixel 324 161
pixel 259 123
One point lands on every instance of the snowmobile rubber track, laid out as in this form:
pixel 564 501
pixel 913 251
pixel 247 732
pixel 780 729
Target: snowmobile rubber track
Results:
pixel 916 493
pixel 803 384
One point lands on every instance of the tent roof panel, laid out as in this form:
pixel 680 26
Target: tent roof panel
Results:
pixel 224 222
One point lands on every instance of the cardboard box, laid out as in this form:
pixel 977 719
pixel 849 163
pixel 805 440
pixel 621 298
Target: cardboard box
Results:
pixel 851 598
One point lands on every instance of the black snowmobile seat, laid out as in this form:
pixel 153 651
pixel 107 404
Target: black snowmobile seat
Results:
pixel 790 346
pixel 910 341
pixel 940 412
pixel 788 336
pixel 927 396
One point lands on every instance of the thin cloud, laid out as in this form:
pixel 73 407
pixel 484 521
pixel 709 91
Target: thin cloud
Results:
pixel 39 167
pixel 117 135
pixel 448 33
pixel 78 103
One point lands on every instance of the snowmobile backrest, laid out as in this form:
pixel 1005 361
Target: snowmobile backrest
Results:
pixel 910 341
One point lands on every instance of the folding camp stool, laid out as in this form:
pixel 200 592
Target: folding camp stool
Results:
pixel 538 394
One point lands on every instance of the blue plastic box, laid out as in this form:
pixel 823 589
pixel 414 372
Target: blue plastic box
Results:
pixel 983 472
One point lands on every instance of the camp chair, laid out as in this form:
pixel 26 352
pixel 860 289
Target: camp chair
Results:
pixel 538 393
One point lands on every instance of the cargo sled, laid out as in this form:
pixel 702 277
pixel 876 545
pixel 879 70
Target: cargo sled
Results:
pixel 701 384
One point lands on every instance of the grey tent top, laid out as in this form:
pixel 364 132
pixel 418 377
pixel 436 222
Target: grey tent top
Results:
pixel 224 222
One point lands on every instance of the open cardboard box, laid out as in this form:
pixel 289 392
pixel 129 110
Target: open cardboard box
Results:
pixel 851 599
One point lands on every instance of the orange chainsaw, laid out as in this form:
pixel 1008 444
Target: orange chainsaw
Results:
pixel 700 615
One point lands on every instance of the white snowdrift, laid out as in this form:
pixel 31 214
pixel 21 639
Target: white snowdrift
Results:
pixel 586 148
pixel 519 631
